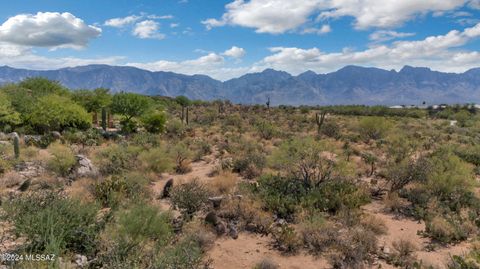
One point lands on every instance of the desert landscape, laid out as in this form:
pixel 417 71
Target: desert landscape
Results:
pixel 91 179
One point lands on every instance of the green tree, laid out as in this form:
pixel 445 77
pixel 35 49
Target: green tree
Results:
pixel 154 122
pixel 93 101
pixel 8 116
pixel 40 86
pixel 130 105
pixel 56 113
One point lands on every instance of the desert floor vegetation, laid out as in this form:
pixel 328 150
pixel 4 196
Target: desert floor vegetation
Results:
pixel 178 183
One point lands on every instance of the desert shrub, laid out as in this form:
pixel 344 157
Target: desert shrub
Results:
pixel 266 263
pixel 445 230
pixel 116 158
pixel 331 129
pixel 281 195
pixel 318 234
pixel 374 224
pixel 53 223
pixel 286 238
pixel 450 178
pixel 57 113
pixel 134 237
pixel 400 147
pixel 175 128
pixel 156 160
pixel 144 140
pixel 113 190
pixel 223 183
pixel 335 195
pixel 154 122
pixel 404 254
pixel 181 154
pixel 266 130
pixel 90 137
pixel 202 148
pixel 249 163
pixel 303 159
pixel 186 254
pixel 189 197
pixel 373 127
pixel 354 249
pixel 407 171
pixel 62 159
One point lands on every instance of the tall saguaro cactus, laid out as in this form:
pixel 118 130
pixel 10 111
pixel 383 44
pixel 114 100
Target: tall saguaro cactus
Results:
pixel 319 119
pixel 16 146
pixel 104 119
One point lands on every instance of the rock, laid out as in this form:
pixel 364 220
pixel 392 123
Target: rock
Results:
pixel 251 227
pixel 25 185
pixel 81 260
pixel 13 135
pixel 84 167
pixel 221 228
pixel 32 140
pixel 56 135
pixel 386 250
pixel 167 188
pixel 28 170
pixel 3 136
pixel 232 230
pixel 211 218
pixel 216 201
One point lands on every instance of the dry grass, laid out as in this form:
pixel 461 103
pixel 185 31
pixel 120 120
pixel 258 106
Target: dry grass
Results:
pixel 224 183
pixel 374 224
pixel 80 189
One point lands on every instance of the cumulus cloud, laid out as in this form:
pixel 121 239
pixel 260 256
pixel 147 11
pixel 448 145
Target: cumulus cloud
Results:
pixel 322 30
pixel 122 22
pixel 147 29
pixel 270 16
pixel 433 51
pixel 384 35
pixel 47 29
pixel 235 52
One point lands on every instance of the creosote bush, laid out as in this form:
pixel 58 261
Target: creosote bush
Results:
pixel 62 160
pixel 189 197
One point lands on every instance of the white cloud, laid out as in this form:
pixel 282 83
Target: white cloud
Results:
pixel 385 35
pixel 162 17
pixel 147 29
pixel 174 25
pixel 47 29
pixel 438 52
pixel 235 52
pixel 122 22
pixel 323 30
pixel 280 16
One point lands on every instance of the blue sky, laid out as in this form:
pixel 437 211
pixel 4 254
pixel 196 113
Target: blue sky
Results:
pixel 226 39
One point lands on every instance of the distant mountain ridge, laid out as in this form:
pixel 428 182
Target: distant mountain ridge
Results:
pixel 349 85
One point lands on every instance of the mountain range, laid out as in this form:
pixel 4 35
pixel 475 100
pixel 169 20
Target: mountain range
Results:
pixel 349 85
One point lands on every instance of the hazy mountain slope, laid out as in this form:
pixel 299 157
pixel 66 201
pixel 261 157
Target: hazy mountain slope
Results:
pixel 349 85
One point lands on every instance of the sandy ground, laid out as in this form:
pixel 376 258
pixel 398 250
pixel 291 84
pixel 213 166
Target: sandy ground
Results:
pixel 250 249
pixel 404 228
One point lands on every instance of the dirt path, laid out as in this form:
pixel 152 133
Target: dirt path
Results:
pixel 405 228
pixel 250 249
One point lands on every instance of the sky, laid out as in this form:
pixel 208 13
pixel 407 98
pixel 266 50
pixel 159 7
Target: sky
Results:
pixel 227 39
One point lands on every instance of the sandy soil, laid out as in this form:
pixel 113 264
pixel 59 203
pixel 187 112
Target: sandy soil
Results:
pixel 250 249
pixel 405 228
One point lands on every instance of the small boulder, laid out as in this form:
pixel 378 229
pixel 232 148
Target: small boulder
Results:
pixel 56 135
pixel 221 228
pixel 167 188
pixel 211 218
pixel 216 201
pixel 232 230
pixel 84 167
pixel 81 260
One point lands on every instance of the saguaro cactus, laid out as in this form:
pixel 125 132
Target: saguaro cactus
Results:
pixel 319 119
pixel 268 102
pixel 186 116
pixel 16 146
pixel 104 119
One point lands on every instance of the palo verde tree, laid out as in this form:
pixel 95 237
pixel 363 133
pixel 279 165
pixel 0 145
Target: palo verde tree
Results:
pixel 93 101
pixel 184 102
pixel 8 116
pixel 130 106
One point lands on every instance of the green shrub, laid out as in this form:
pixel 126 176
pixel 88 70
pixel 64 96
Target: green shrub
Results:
pixel 54 224
pixel 154 122
pixel 331 129
pixel 115 159
pixel 373 127
pixel 335 195
pixel 112 191
pixel 286 238
pixel 181 154
pixel 281 195
pixel 156 160
pixel 266 130
pixel 189 197
pixel 57 113
pixel 62 159
pixel 186 254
